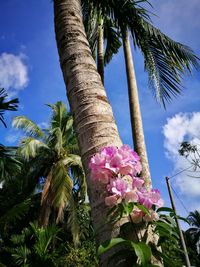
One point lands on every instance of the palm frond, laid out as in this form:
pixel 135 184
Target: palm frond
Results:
pixel 59 112
pixel 61 188
pixel 72 159
pixel 194 218
pixel 90 20
pixel 10 166
pixel 29 147
pixel 20 254
pixel 10 105
pixel 32 129
pixel 112 38
pixel 55 140
pixel 73 221
pixel 165 60
pixel 17 212
pixel 44 237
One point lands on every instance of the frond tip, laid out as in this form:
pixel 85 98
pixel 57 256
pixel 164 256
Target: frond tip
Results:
pixel 165 60
pixel 32 129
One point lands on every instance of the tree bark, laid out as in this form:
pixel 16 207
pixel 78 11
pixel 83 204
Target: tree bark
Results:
pixel 100 50
pixel 44 215
pixel 93 118
pixel 45 207
pixel 135 113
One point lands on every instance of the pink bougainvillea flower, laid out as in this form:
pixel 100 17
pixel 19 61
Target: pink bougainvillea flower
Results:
pixel 108 152
pixel 152 217
pixel 102 176
pixel 137 182
pixel 131 196
pixel 136 216
pixel 127 168
pixel 117 187
pixel 118 168
pixel 128 153
pixel 111 201
pixel 150 198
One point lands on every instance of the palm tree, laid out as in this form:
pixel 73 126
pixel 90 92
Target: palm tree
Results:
pixel 92 113
pixel 194 231
pixel 102 34
pixel 6 105
pixel 165 60
pixel 53 154
pixel 9 163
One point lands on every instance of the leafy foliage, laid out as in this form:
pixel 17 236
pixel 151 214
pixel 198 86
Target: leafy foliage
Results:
pixel 10 105
pixel 9 163
pixel 165 59
pixel 52 151
pixel 144 251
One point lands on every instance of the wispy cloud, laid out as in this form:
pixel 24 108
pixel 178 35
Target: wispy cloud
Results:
pixel 183 126
pixel 13 137
pixel 184 29
pixel 43 125
pixel 13 72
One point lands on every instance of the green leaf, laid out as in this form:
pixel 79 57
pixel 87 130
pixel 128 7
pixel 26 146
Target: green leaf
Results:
pixel 142 208
pixel 165 209
pixel 111 243
pixel 11 105
pixel 32 129
pixel 183 219
pixel 127 208
pixel 143 252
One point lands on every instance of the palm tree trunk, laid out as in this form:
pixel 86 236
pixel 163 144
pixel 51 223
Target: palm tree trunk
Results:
pixel 100 50
pixel 93 118
pixel 46 200
pixel 44 215
pixel 135 113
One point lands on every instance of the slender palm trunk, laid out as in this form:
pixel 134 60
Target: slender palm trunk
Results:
pixel 135 113
pixel 94 122
pixel 100 50
pixel 44 215
pixel 45 208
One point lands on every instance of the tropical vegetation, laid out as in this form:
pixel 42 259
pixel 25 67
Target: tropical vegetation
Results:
pixel 46 216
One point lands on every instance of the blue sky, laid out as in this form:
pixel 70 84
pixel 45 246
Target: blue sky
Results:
pixel 29 69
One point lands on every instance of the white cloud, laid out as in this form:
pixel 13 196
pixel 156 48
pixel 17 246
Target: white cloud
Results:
pixel 13 72
pixel 183 126
pixel 43 125
pixel 13 137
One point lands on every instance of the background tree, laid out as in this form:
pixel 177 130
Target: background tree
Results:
pixel 165 60
pixel 5 105
pixel 54 153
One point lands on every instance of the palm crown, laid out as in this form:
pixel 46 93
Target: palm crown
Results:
pixel 165 60
pixel 53 151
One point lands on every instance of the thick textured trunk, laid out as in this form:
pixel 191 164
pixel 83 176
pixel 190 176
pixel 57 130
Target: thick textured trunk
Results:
pixel 100 50
pixel 135 114
pixel 93 117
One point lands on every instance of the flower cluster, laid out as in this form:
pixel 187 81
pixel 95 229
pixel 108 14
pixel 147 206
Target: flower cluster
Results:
pixel 119 168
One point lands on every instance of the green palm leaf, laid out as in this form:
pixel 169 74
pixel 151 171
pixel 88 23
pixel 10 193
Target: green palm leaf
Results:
pixel 44 237
pixel 29 147
pixel 165 60
pixel 112 38
pixel 73 221
pixel 61 188
pixel 32 129
pixel 11 105
pixel 17 212
pixel 9 164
